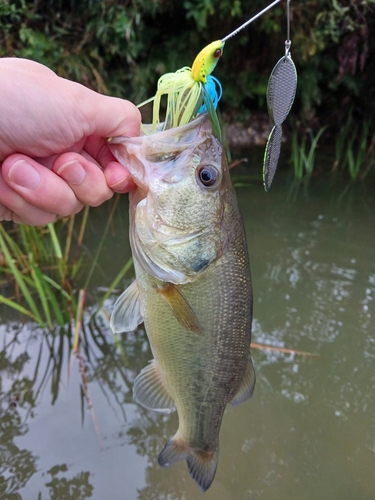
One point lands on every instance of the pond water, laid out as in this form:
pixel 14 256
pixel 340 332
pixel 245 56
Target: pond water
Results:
pixel 308 432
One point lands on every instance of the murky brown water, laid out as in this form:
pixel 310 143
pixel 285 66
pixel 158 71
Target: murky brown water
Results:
pixel 308 433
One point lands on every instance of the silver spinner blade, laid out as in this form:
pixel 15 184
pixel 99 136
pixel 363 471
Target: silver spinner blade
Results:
pixel 271 155
pixel 281 89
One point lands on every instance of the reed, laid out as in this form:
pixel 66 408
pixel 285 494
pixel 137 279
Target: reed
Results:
pixel 354 148
pixel 35 275
pixel 369 160
pixel 341 142
pixel 39 268
pixel 38 271
pixel 357 152
pixel 303 154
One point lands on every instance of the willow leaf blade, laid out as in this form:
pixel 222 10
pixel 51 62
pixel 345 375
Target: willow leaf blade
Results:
pixel 271 156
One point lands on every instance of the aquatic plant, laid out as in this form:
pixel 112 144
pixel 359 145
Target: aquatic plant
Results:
pixel 354 147
pixel 303 154
pixel 342 140
pixel 354 154
pixel 36 274
pixel 357 151
pixel 40 267
pixel 369 159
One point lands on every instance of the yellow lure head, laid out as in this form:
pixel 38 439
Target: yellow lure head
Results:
pixel 206 60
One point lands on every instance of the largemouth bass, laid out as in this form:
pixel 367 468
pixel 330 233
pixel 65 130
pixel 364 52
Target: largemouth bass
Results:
pixel 192 289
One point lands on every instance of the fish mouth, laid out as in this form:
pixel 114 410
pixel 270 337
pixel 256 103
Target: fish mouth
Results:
pixel 159 149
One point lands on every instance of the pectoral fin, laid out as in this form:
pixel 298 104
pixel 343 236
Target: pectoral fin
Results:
pixel 149 390
pixel 126 315
pixel 181 309
pixel 247 386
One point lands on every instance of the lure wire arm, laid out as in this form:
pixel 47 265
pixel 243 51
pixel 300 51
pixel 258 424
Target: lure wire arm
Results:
pixel 251 20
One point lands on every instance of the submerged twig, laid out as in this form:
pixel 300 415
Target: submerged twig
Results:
pixel 238 162
pixel 86 393
pixel 76 351
pixel 78 322
pixel 285 350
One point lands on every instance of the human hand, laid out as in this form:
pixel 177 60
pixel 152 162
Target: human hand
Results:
pixel 53 147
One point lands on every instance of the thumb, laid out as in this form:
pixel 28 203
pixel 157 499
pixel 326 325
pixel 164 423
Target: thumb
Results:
pixel 106 116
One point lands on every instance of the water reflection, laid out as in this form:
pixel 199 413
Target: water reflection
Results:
pixel 78 487
pixel 17 464
pixel 309 431
pixel 28 360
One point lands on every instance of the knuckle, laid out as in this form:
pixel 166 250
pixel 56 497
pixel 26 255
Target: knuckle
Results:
pixel 5 213
pixel 100 198
pixel 71 208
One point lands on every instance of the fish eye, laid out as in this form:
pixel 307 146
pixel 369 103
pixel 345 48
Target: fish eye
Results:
pixel 217 53
pixel 208 175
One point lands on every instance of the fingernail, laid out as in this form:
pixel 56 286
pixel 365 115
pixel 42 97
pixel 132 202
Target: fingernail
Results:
pixel 72 172
pixel 23 174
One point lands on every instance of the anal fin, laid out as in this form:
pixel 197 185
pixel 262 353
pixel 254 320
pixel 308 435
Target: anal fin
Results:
pixel 126 314
pixel 247 386
pixel 149 390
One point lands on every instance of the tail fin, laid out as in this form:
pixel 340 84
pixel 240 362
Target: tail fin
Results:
pixel 201 464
